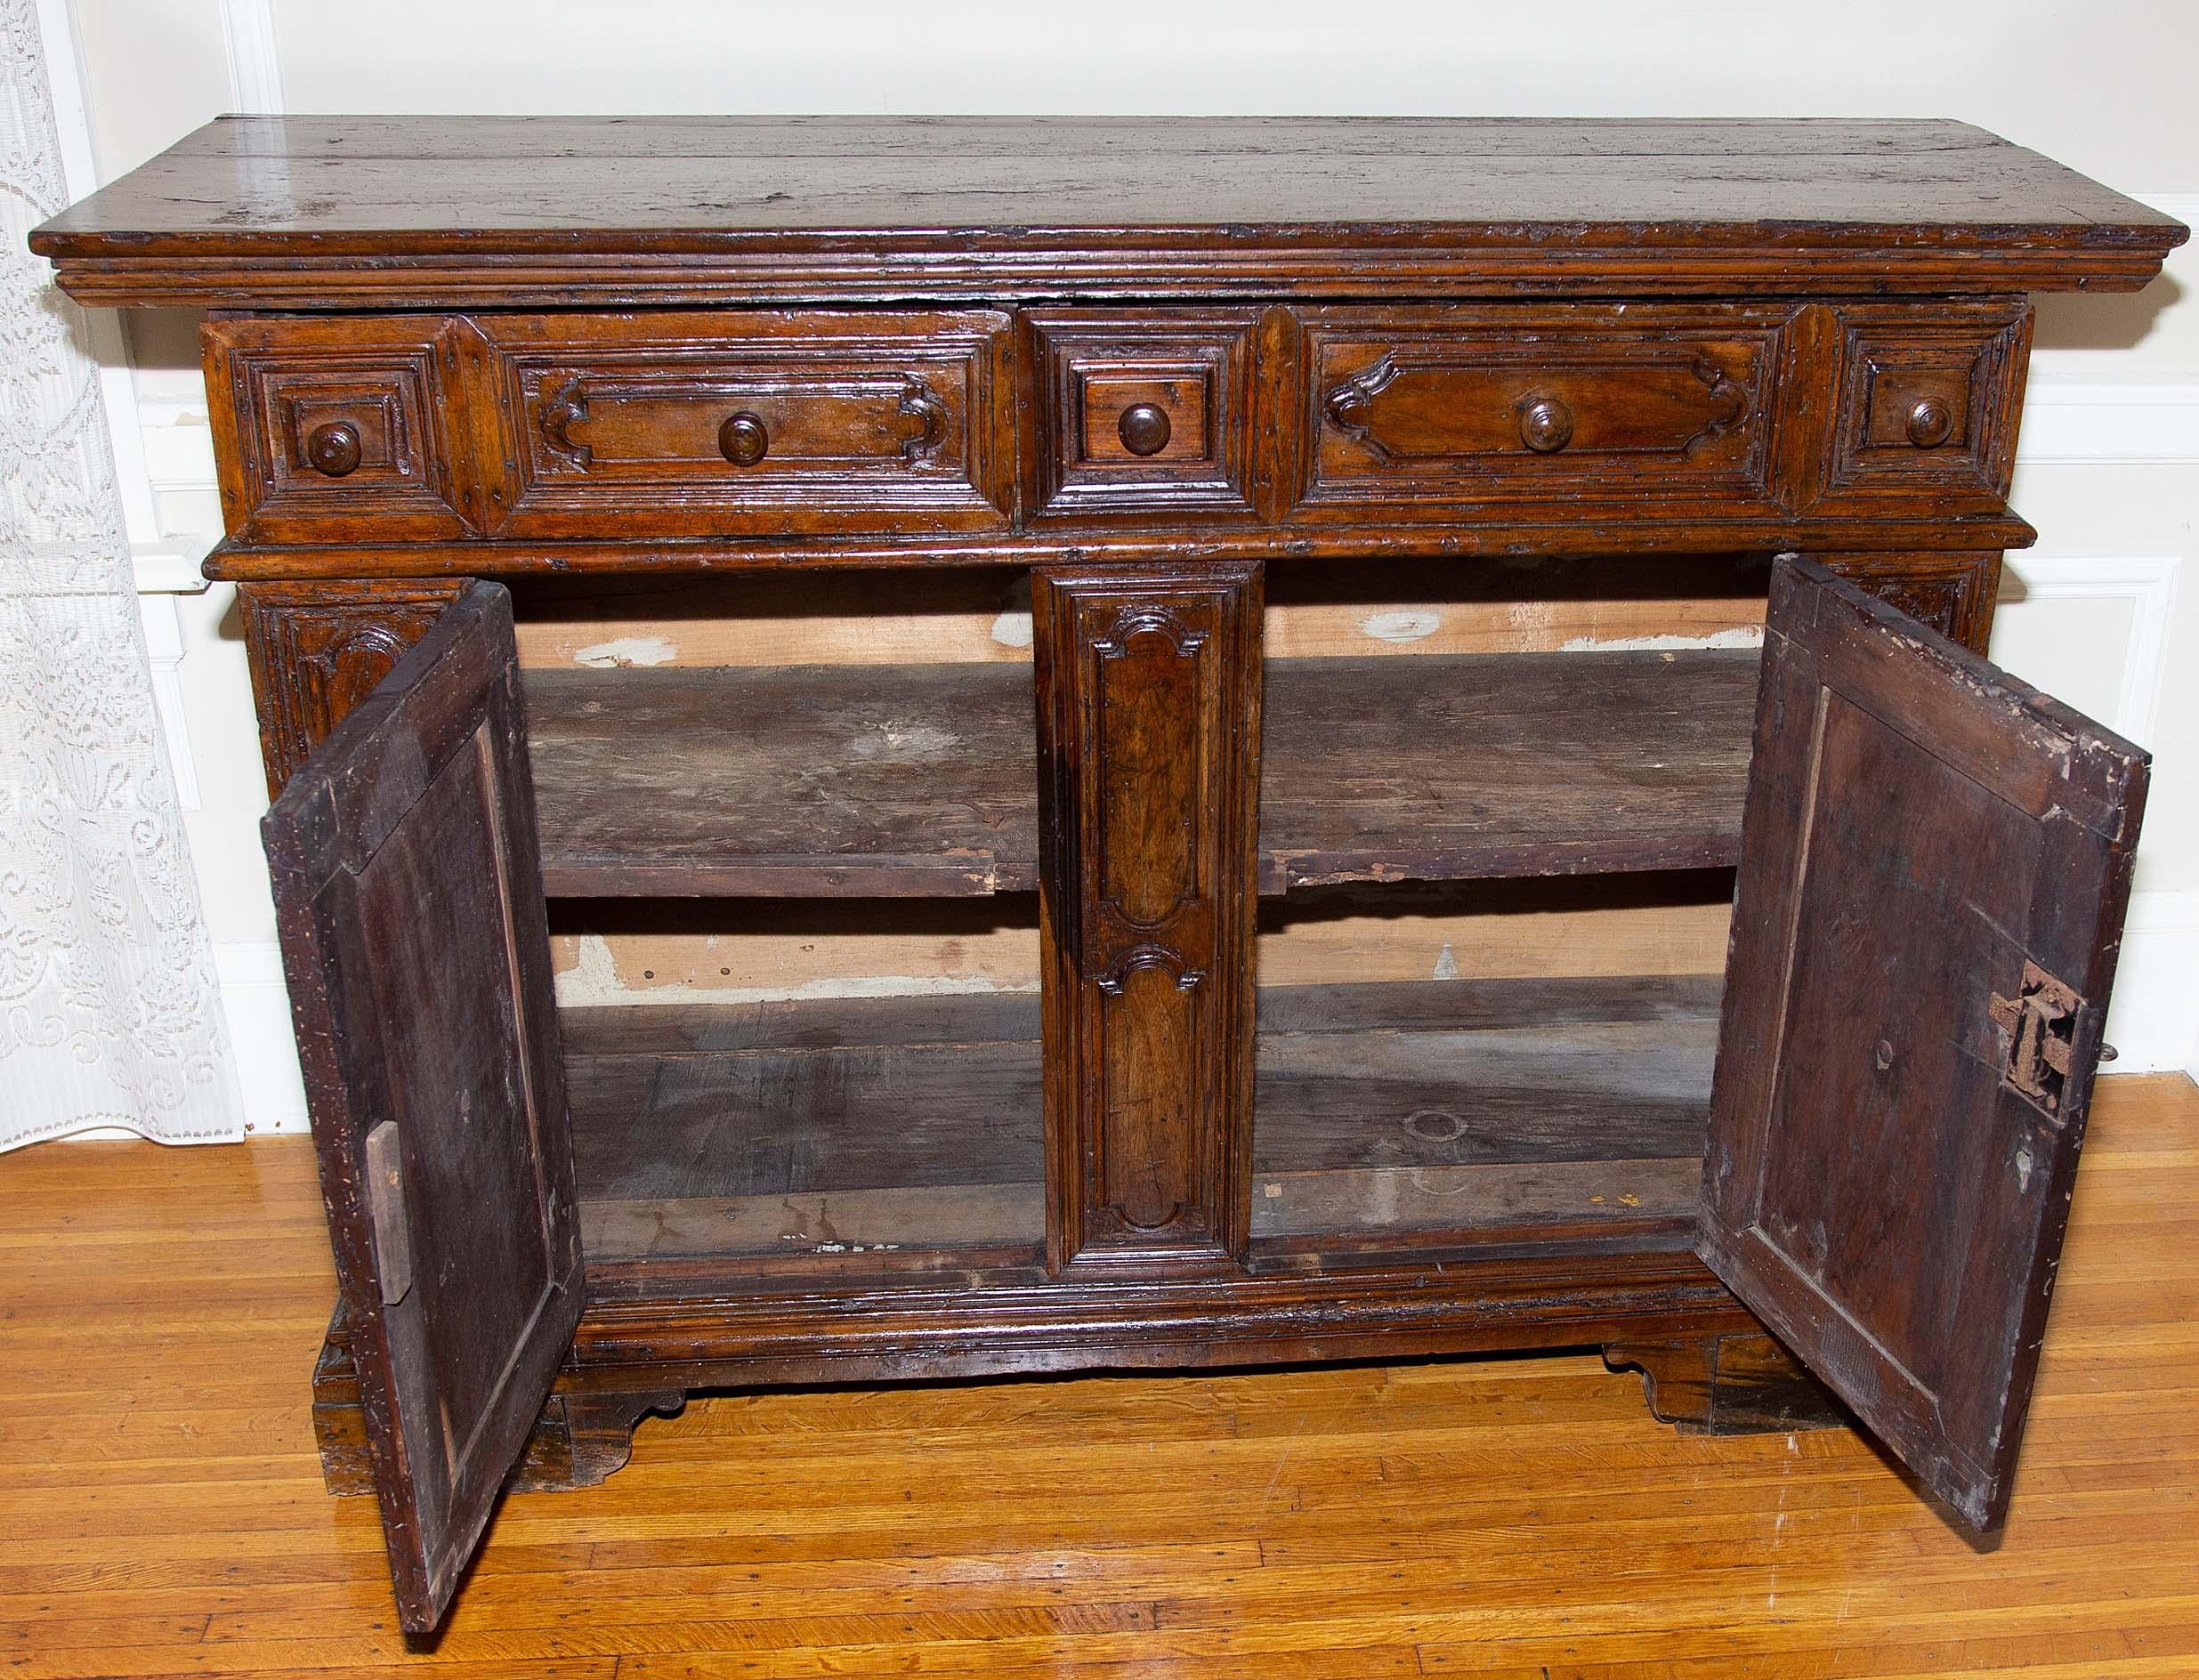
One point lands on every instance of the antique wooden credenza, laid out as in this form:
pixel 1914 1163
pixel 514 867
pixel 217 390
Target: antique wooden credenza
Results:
pixel 1399 504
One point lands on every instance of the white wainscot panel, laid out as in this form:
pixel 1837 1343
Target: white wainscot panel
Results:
pixel 2094 633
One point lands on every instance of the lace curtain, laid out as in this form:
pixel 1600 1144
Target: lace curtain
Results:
pixel 109 1011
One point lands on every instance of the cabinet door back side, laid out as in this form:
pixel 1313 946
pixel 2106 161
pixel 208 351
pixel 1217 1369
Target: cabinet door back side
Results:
pixel 409 897
pixel 1936 862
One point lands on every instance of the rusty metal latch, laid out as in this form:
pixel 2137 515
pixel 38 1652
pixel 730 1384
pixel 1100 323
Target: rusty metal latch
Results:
pixel 2040 1021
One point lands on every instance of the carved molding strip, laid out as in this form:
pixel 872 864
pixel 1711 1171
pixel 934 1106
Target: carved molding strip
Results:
pixel 922 404
pixel 1350 406
pixel 564 408
pixel 1148 956
pixel 1132 622
pixel 1733 399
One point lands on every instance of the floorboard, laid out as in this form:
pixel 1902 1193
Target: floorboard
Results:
pixel 1511 1519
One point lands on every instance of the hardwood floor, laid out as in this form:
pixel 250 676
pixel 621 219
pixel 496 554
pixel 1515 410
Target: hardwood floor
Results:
pixel 161 1511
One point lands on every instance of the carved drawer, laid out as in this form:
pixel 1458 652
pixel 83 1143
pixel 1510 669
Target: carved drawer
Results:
pixel 347 427
pixel 751 424
pixel 1149 412
pixel 1926 403
pixel 1416 410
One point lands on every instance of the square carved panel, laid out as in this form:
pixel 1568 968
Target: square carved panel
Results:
pixel 1144 414
pixel 1927 405
pixel 339 428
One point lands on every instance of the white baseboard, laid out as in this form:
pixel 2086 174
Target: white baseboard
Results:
pixel 257 1006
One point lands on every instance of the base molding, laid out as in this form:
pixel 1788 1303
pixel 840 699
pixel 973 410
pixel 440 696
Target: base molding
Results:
pixel 632 1358
pixel 1736 1384
pixel 583 1435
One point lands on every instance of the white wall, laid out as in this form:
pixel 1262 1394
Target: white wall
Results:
pixel 2104 611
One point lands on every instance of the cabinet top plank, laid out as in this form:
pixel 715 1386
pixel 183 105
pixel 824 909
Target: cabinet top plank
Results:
pixel 337 210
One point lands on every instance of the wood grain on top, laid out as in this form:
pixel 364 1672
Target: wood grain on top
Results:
pixel 512 207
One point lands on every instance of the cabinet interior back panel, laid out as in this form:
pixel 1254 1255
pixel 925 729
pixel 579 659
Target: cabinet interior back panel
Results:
pixel 962 616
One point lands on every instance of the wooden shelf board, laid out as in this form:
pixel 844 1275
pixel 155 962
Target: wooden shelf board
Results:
pixel 838 1125
pixel 920 780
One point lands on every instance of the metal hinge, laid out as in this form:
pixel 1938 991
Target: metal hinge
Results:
pixel 2040 1021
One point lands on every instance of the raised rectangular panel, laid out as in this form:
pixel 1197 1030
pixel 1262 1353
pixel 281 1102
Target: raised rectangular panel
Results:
pixel 777 423
pixel 331 429
pixel 1418 410
pixel 1149 708
pixel 1927 402
pixel 1144 412
pixel 2093 631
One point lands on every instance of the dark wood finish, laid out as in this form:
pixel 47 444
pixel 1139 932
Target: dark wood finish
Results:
pixel 582 1435
pixel 1929 402
pixel 1149 750
pixel 409 905
pixel 684 425
pixel 1740 1385
pixel 1929 843
pixel 1778 411
pixel 1421 411
pixel 891 436
pixel 1550 532
pixel 871 1133
pixel 300 212
pixel 345 428
pixel 1151 360
pixel 901 781
pixel 1954 593
pixel 1146 412
pixel 915 780
pixel 317 651
pixel 639 1331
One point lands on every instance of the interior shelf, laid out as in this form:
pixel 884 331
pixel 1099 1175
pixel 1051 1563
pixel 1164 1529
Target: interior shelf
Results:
pixel 920 781
pixel 1382 1110
pixel 855 780
pixel 1448 1111
pixel 832 1125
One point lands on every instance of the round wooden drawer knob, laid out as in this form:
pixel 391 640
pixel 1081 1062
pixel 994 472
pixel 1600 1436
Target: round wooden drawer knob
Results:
pixel 1931 423
pixel 1546 426
pixel 333 448
pixel 744 440
pixel 1144 429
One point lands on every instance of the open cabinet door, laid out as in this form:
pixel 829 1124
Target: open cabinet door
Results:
pixel 1935 863
pixel 409 892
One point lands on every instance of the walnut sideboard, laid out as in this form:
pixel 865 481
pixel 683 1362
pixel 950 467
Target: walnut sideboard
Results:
pixel 1580 531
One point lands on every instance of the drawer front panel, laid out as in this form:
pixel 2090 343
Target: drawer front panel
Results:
pixel 1144 413
pixel 752 423
pixel 1437 407
pixel 327 429
pixel 1928 402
